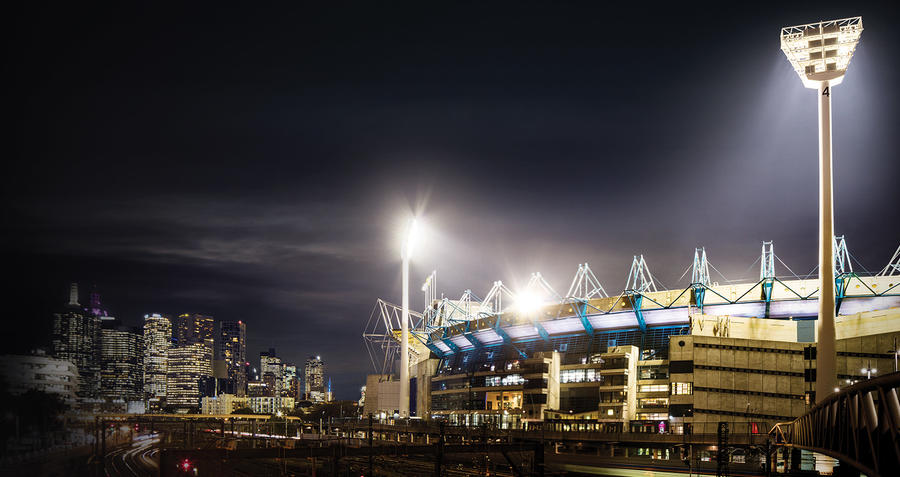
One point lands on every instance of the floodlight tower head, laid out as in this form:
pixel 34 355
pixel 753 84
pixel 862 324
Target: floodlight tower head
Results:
pixel 821 51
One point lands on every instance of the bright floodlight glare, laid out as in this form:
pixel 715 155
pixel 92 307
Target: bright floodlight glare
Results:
pixel 821 51
pixel 527 303
pixel 412 234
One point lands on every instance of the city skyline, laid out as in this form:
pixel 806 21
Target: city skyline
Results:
pixel 258 177
pixel 494 238
pixel 136 362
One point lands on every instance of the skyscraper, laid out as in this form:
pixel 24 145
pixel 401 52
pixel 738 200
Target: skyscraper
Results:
pixel 122 362
pixel 76 338
pixel 289 381
pixel 270 369
pixel 157 339
pixel 314 382
pixel 233 350
pixel 187 366
pixel 193 328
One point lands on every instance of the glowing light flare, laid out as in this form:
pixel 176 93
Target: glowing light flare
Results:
pixel 528 302
pixel 412 236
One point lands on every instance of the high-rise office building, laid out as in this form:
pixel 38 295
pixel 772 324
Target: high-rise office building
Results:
pixel 95 307
pixel 122 361
pixel 314 379
pixel 76 338
pixel 233 350
pixel 193 328
pixel 157 340
pixel 187 366
pixel 271 370
pixel 258 388
pixel 289 381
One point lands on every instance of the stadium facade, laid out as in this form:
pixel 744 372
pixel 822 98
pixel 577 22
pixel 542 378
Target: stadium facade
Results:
pixel 642 360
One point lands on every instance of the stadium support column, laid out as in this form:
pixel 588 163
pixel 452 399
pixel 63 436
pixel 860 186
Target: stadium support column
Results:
pixel 825 353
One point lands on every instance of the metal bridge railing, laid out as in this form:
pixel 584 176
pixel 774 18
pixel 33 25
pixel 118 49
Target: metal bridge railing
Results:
pixel 860 426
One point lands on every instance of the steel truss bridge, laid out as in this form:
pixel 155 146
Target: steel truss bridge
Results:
pixel 860 426
pixel 538 312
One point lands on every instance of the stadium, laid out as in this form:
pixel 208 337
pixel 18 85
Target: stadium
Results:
pixel 640 360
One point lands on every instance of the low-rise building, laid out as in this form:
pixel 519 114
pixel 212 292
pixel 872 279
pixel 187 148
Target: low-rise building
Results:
pixel 270 404
pixel 39 372
pixel 222 404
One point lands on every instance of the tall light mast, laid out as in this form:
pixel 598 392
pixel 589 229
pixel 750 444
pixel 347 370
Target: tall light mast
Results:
pixel 820 54
pixel 405 254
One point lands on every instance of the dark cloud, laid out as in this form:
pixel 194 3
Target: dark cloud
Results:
pixel 258 165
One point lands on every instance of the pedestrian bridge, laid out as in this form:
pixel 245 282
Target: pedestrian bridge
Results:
pixel 858 426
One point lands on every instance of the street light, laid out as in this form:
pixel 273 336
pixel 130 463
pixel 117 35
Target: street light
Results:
pixel 820 54
pixel 869 370
pixel 412 233
pixel 280 414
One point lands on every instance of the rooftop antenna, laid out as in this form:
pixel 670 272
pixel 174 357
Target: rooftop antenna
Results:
pixel 639 277
pixel 893 266
pixel 73 295
pixel 585 285
pixel 767 261
pixel 537 281
pixel 464 306
pixel 700 273
pixel 700 277
pixel 429 289
pixel 493 301
pixel 842 262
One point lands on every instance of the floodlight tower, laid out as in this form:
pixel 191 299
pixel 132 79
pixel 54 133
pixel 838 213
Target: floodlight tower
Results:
pixel 820 53
pixel 405 254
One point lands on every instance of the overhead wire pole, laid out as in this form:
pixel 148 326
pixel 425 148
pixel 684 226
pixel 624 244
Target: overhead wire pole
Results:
pixel 820 54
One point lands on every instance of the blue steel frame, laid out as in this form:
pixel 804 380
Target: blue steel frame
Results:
pixel 636 300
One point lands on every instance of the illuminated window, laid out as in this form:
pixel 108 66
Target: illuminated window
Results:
pixel 682 389
pixel 580 376
pixel 653 416
pixel 508 380
pixel 652 388
pixel 653 402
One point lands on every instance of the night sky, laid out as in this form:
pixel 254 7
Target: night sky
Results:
pixel 260 164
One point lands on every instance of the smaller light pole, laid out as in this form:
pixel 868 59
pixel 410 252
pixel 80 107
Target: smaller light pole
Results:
pixel 869 370
pixel 405 254
pixel 281 414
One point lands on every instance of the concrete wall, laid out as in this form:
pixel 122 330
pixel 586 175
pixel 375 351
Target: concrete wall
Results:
pixel 423 372
pixel 372 404
pixel 744 328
